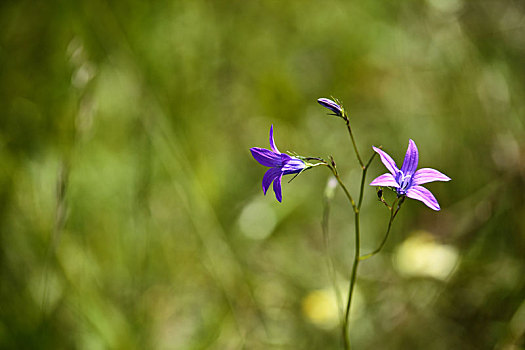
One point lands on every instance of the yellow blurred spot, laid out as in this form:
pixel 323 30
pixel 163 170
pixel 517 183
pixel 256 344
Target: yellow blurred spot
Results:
pixel 420 255
pixel 320 308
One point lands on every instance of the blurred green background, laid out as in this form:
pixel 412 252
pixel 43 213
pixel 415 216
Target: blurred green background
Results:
pixel 132 215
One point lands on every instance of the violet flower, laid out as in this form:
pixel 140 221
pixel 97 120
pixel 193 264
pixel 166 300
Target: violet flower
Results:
pixel 331 105
pixel 407 181
pixel 280 164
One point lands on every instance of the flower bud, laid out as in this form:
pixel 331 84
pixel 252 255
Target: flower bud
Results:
pixel 331 105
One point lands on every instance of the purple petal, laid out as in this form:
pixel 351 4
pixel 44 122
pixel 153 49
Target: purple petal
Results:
pixel 411 159
pixel 268 177
pixel 386 180
pixel 266 157
pixel 425 175
pixel 387 161
pixel 272 142
pixel 277 188
pixel 422 194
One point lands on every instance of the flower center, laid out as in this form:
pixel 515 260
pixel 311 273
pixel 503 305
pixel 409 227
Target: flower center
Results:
pixel 293 165
pixel 404 182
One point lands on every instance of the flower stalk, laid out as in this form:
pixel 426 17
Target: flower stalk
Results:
pixel 405 181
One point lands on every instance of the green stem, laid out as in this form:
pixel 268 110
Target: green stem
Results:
pixel 353 279
pixel 363 180
pixel 347 121
pixel 333 168
pixel 355 265
pixel 393 214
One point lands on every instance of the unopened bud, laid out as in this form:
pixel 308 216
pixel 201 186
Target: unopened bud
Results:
pixel 331 105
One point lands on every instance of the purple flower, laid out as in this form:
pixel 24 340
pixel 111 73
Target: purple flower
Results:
pixel 280 164
pixel 331 105
pixel 407 181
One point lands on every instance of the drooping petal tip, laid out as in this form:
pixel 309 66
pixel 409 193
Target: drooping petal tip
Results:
pixel 277 188
pixel 269 176
pixel 331 105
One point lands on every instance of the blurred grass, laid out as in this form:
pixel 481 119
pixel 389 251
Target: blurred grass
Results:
pixel 131 210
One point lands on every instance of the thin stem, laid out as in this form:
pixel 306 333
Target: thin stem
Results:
pixel 347 121
pixel 333 168
pixel 353 279
pixel 356 208
pixel 393 214
pixel 401 201
pixel 355 265
pixel 365 168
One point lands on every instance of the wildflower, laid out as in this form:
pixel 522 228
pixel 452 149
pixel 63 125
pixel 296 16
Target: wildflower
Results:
pixel 331 105
pixel 407 181
pixel 280 164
